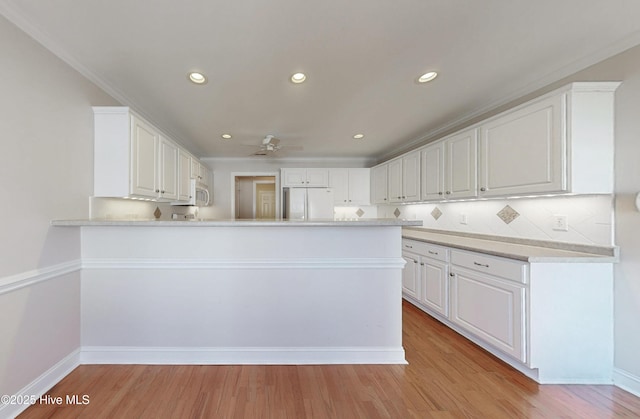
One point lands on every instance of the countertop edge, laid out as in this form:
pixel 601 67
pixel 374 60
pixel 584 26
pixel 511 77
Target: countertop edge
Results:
pixel 238 223
pixel 525 253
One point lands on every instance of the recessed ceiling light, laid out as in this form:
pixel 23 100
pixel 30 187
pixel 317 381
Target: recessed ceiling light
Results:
pixel 197 78
pixel 226 136
pixel 427 77
pixel 298 78
pixel 358 136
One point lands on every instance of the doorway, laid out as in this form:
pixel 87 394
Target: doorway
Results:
pixel 254 196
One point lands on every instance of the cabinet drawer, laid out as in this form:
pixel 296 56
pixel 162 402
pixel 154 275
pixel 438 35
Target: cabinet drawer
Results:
pixel 426 249
pixel 504 268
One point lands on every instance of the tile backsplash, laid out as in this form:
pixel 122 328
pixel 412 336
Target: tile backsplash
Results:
pixel 589 217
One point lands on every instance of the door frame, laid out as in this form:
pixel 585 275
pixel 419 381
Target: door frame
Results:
pixel 234 175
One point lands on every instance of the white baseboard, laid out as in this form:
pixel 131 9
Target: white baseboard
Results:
pixel 41 385
pixel 626 381
pixel 240 356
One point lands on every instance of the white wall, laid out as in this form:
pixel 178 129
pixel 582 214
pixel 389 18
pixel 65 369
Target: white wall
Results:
pixel 46 131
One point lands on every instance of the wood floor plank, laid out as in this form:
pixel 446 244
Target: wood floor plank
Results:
pixel 447 377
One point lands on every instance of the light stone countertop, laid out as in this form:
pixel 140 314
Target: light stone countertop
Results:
pixel 239 223
pixel 535 251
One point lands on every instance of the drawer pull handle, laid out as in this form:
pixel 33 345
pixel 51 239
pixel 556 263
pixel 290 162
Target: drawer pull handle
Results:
pixel 433 253
pixel 480 264
pixel 407 246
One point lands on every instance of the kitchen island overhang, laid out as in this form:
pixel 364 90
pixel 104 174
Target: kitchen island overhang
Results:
pixel 238 292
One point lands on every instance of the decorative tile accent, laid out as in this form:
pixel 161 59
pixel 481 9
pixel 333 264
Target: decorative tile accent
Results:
pixel 396 212
pixel 508 214
pixel 359 213
pixel 157 213
pixel 436 213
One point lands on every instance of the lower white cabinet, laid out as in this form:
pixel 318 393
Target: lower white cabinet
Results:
pixel 550 320
pixel 490 308
pixel 411 276
pixel 435 284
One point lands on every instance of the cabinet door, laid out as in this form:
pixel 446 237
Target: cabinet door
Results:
pixel 489 308
pixel 411 177
pixel 524 151
pixel 184 176
pixel 411 276
pixel 144 159
pixel 395 180
pixel 461 166
pixel 379 181
pixel 359 190
pixel 317 177
pixel 168 170
pixel 435 285
pixel 294 177
pixel 432 180
pixel 339 182
pixel 195 169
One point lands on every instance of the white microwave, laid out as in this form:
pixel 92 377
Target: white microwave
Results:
pixel 198 195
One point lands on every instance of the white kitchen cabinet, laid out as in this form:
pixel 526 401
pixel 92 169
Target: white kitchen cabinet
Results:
pixel 144 159
pixel 432 182
pixel 132 158
pixel 168 173
pixel 184 176
pixel 449 168
pixel 411 275
pixel 536 316
pixel 305 177
pixel 489 306
pixel 379 184
pixel 350 186
pixel 434 278
pixel 460 165
pixel 404 178
pixel 560 142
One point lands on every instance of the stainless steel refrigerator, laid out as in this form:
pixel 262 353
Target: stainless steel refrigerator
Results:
pixel 307 203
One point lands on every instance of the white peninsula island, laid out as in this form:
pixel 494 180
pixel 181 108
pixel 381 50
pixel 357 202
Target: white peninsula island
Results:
pixel 241 292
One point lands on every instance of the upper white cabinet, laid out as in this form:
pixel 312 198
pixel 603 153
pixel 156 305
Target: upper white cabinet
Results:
pixel 168 173
pixel 133 159
pixel 404 178
pixel 379 184
pixel 350 186
pixel 144 158
pixel 184 176
pixel 449 168
pixel 305 177
pixel 560 142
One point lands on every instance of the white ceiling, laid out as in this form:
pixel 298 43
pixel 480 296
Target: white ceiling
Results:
pixel 362 58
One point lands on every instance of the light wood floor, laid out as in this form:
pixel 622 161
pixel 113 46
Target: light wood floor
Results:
pixel 447 377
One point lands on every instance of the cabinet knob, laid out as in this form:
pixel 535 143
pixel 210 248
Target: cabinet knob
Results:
pixel 157 190
pixel 404 197
pixel 452 274
pixel 483 189
pixel 345 200
pixel 448 192
pixel 421 264
pixel 415 261
pixel 385 199
pixel 162 192
pixel 439 193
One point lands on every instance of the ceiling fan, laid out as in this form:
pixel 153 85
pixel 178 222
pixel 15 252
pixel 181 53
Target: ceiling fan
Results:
pixel 270 144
